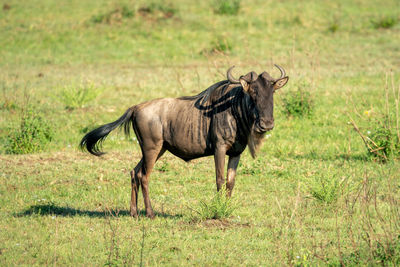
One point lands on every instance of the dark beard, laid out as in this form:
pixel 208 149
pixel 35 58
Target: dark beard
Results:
pixel 255 141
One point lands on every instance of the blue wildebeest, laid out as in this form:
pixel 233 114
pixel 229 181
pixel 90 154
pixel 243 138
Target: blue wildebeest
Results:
pixel 221 120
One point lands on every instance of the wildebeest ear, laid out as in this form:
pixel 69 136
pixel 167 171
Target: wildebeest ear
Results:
pixel 244 84
pixel 247 79
pixel 280 82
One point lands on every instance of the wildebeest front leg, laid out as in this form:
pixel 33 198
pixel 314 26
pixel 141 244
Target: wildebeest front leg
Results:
pixel 230 177
pixel 219 159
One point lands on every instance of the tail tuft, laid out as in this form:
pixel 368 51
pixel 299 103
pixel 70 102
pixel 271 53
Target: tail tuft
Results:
pixel 93 140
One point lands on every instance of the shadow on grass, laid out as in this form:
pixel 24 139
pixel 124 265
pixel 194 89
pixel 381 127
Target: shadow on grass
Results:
pixel 51 209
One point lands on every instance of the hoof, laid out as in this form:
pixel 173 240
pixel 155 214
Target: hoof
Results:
pixel 150 215
pixel 134 214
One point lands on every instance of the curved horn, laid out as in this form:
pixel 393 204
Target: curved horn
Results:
pixel 230 77
pixel 283 73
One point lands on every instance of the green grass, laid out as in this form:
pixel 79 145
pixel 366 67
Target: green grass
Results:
pixel 313 195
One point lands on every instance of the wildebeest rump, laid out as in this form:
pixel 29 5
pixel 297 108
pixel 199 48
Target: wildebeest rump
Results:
pixel 219 121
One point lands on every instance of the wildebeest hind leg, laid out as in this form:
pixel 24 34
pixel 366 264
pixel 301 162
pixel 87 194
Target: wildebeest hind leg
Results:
pixel 150 156
pixel 135 183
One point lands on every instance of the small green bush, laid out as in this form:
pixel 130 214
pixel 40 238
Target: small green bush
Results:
pixel 220 207
pixel 298 103
pixel 384 22
pixel 114 15
pixel 333 27
pixel 226 7
pixel 165 10
pixel 78 96
pixel 32 135
pixel 383 142
pixel 297 21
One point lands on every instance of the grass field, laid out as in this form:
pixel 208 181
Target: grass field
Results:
pixel 312 197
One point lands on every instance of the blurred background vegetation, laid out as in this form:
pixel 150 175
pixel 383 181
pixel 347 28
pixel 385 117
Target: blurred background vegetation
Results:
pixel 324 190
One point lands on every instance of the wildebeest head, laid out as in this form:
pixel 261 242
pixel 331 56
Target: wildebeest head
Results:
pixel 261 89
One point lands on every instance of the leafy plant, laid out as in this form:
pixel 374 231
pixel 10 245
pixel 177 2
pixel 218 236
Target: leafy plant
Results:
pixel 226 7
pixel 78 96
pixel 219 207
pixel 298 103
pixel 383 142
pixel 32 135
pixel 384 22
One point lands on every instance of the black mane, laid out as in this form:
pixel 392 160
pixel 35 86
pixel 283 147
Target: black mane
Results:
pixel 206 93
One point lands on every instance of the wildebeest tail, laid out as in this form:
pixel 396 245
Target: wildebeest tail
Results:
pixel 93 140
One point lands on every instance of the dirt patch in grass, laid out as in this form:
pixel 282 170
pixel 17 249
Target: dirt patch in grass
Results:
pixel 217 223
pixel 224 223
pixel 66 157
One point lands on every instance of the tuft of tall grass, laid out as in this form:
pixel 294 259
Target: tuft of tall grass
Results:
pixel 9 99
pixel 324 188
pixel 74 97
pixel 220 206
pixel 220 46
